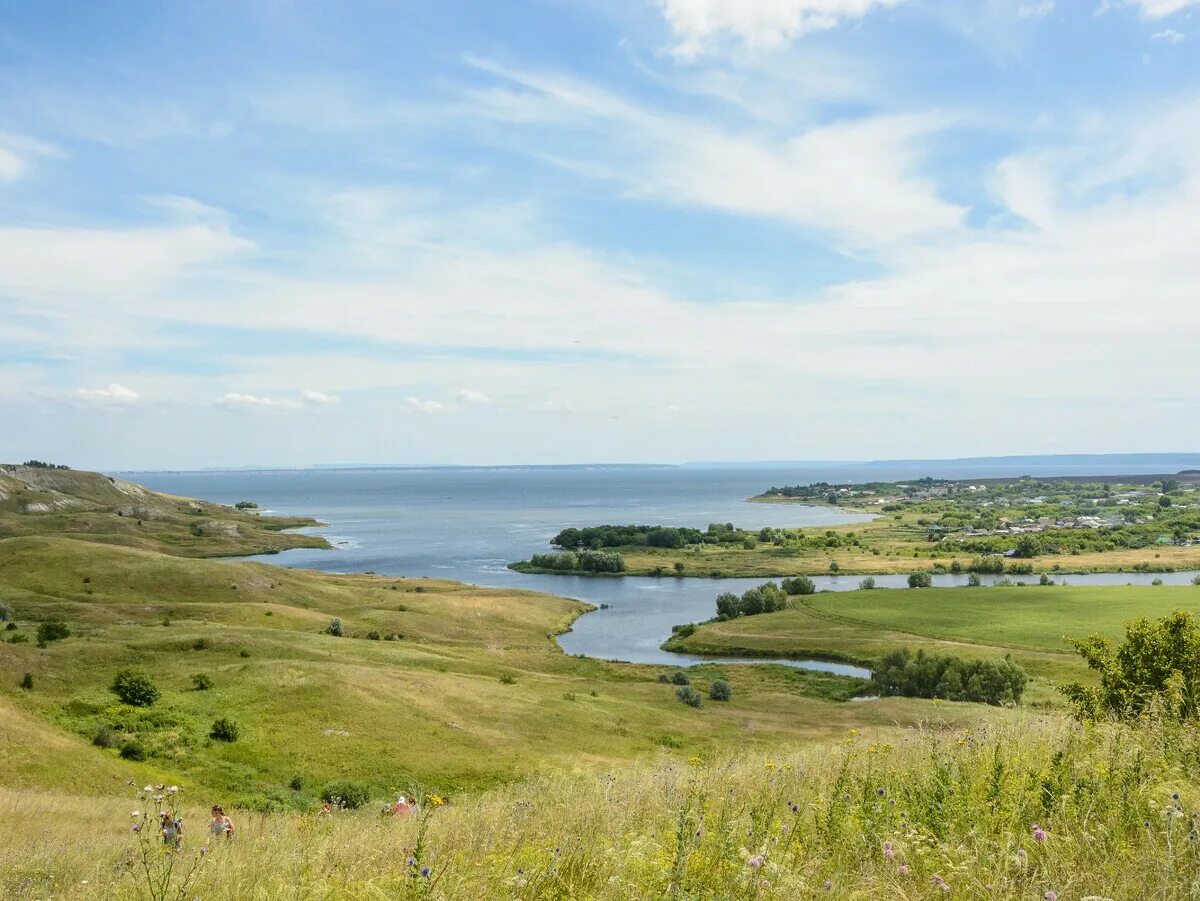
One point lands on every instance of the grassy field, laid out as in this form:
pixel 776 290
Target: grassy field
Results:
pixel 90 506
pixel 1030 807
pixel 430 708
pixel 1031 623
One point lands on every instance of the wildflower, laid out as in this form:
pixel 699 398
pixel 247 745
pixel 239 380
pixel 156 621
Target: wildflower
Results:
pixel 902 869
pixel 756 861
pixel 411 862
pixel 425 871
pixel 1039 834
pixel 889 853
pixel 137 827
pixel 173 789
pixel 1051 895
pixel 135 813
pixel 881 791
pixel 437 800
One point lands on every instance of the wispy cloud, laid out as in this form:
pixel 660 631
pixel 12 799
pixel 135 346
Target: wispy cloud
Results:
pixel 319 398
pixel 424 406
pixel 112 395
pixel 700 26
pixel 471 396
pixel 1160 9
pixel 236 401
pixel 1170 35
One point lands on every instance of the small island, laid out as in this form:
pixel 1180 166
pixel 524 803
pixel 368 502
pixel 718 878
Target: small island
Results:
pixel 1016 526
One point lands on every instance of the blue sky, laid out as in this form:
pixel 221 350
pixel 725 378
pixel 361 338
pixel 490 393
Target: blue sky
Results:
pixel 632 230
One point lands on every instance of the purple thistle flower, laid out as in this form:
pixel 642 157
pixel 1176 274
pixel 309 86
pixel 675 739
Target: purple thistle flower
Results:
pixel 756 861
pixel 425 871
pixel 902 869
pixel 1051 895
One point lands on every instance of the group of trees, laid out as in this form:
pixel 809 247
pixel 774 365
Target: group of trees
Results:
pixel 607 536
pixel 584 561
pixel 42 464
pixel 951 678
pixel 766 598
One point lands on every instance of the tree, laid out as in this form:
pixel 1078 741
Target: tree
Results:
pixel 1156 667
pixel 729 605
pixel 52 629
pixel 224 730
pixel 720 690
pixel 920 579
pixel 1029 547
pixel 134 688
pixel 334 628
pixel 867 584
pixel 800 585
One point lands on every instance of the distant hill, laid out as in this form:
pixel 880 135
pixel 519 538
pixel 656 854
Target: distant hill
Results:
pixel 40 500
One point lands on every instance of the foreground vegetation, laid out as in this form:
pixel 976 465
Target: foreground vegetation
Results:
pixel 1030 807
pixel 1019 527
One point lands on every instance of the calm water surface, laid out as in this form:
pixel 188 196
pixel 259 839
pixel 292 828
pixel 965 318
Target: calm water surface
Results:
pixel 468 524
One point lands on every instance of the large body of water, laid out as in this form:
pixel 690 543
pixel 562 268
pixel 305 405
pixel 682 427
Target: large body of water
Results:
pixel 469 523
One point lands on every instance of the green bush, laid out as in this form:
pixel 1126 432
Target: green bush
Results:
pixel 201 644
pixel 867 584
pixel 1155 669
pixel 201 682
pixel 688 695
pixel 720 690
pixel 106 737
pixel 373 636
pixel 345 793
pixel 52 629
pixel 973 581
pixel 224 730
pixel 679 677
pixel 134 688
pixel 920 579
pixel 27 682
pixel 133 750
pixel 297 784
pixel 334 627
pixel 799 585
pixel 507 678
pixel 952 678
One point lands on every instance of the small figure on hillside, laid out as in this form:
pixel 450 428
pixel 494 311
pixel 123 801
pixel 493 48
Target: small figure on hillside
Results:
pixel 172 830
pixel 326 809
pixel 402 808
pixel 221 824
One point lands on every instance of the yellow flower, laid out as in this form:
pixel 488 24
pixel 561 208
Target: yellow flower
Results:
pixel 437 800
pixel 695 761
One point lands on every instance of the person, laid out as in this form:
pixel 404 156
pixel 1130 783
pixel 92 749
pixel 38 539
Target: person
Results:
pixel 221 824
pixel 402 808
pixel 172 830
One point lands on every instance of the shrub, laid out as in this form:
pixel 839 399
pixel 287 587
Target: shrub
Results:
pixel 19 638
pixel 867 584
pixel 952 678
pixel 1196 580
pixel 201 644
pixel 224 730
pixel 679 568
pixel 296 784
pixel 684 631
pixel 10 627
pixel 720 690
pixel 373 636
pixel 1046 580
pixel 1156 581
pixel 507 678
pixel 344 793
pixel 52 629
pixel 688 695
pixel 243 653
pixel 955 567
pixel 134 688
pixel 973 581
pixel 833 566
pixel 201 682
pixel 5 612
pixel 1020 569
pixel 920 579
pixel 106 737
pixel 27 682
pixel 133 750
pixel 1156 668
pixel 679 677
pixel 334 627
pixel 799 585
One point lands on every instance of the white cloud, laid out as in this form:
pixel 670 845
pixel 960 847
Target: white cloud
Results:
pixel 1170 35
pixel 1035 9
pixel 112 395
pixel 700 26
pixel 471 396
pixel 424 406
pixel 16 151
pixel 309 396
pixel 1160 9
pixel 236 401
pixel 856 178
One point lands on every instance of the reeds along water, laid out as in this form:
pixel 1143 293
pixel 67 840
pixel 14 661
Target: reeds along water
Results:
pixel 1034 807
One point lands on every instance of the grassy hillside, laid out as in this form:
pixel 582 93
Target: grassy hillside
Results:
pixel 91 506
pixel 476 691
pixel 1029 622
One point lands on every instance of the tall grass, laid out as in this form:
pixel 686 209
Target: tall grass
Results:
pixel 1016 810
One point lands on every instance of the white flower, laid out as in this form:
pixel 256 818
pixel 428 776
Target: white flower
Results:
pixel 173 789
pixel 135 813
pixel 148 789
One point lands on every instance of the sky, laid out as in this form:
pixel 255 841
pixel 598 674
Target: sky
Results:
pixel 548 231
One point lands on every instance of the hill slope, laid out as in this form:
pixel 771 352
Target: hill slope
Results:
pixel 91 506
